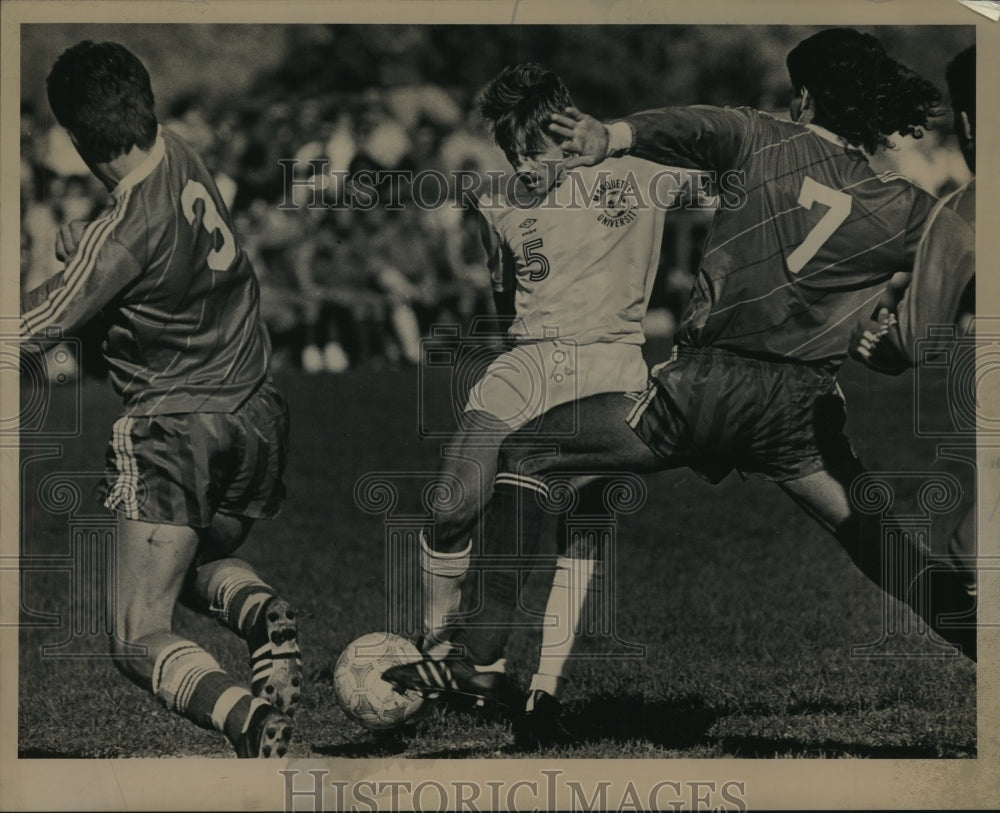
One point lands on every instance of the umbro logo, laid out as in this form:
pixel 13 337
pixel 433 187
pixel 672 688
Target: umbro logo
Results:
pixel 527 224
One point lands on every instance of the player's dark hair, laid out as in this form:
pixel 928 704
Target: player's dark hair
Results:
pixel 100 92
pixel 961 78
pixel 859 91
pixel 519 102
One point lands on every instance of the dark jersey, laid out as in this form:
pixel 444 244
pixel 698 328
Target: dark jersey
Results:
pixel 178 292
pixel 786 270
pixel 943 272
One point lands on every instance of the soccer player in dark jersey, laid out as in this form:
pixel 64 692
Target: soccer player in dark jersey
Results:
pixel 941 291
pixel 751 384
pixel 199 450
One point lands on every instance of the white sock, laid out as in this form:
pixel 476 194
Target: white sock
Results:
pixel 442 575
pixel 574 579
pixel 550 684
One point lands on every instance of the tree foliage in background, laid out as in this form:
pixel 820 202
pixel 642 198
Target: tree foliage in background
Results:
pixel 611 70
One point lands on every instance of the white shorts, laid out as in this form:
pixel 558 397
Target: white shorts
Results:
pixel 532 378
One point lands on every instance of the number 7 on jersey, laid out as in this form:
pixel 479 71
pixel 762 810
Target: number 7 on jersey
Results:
pixel 839 205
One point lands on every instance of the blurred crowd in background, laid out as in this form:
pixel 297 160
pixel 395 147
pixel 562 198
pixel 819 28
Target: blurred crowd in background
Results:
pixel 345 286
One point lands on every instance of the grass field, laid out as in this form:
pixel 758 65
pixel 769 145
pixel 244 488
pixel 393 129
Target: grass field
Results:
pixel 747 610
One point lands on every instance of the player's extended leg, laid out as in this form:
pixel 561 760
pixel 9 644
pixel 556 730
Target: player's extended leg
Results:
pixel 578 576
pixel 589 436
pixel 901 566
pixel 228 588
pixel 586 435
pixel 152 562
pixel 466 482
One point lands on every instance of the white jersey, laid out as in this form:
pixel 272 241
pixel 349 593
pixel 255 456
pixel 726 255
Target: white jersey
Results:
pixel 584 258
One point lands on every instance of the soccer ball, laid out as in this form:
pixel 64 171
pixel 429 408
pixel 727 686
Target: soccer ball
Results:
pixel 358 684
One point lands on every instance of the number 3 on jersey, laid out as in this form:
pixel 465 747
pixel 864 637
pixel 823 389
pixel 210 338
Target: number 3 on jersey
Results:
pixel 532 258
pixel 839 207
pixel 219 259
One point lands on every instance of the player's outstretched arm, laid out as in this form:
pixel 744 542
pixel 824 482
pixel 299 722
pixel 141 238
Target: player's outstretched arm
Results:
pixel 586 138
pixel 697 137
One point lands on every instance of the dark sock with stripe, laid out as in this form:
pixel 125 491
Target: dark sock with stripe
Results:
pixel 239 595
pixel 514 523
pixel 203 703
pixel 191 682
pixel 237 718
pixel 253 616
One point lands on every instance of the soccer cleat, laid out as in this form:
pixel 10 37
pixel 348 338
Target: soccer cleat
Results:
pixel 541 724
pixel 451 676
pixel 432 648
pixel 266 734
pixel 275 657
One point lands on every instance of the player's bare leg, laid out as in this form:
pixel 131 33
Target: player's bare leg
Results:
pixel 905 569
pixel 229 589
pixel 467 481
pixel 577 577
pixel 152 562
pixel 590 434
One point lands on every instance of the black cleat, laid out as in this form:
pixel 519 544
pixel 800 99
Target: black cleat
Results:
pixel 456 678
pixel 267 734
pixel 275 657
pixel 541 725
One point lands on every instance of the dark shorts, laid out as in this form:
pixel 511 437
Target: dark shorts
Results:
pixel 715 411
pixel 182 469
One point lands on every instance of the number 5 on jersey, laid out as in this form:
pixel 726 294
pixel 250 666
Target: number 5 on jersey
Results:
pixel 533 257
pixel 839 207
pixel 219 259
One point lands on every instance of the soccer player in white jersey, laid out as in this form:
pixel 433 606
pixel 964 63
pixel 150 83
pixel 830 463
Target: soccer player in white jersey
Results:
pixel 573 261
pixel 199 451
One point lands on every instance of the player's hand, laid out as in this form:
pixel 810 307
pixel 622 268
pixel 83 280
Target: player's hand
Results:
pixel 867 344
pixel 866 338
pixel 68 239
pixel 587 138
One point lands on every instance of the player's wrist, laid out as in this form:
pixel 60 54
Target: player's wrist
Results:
pixel 621 137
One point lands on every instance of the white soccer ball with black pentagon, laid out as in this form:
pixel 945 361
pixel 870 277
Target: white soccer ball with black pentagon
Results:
pixel 358 684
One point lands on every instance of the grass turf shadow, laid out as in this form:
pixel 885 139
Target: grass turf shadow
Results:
pixel 678 723
pixel 751 747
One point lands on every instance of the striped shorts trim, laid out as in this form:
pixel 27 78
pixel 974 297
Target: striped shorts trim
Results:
pixel 182 469
pixel 123 496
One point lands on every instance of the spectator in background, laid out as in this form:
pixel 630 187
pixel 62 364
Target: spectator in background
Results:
pixel 186 118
